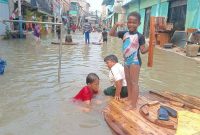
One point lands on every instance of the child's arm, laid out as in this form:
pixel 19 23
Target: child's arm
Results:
pixel 87 102
pixel 114 28
pixel 143 45
pixel 118 89
pixel 144 49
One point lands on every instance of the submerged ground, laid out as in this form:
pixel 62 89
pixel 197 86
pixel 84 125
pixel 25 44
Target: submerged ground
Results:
pixel 33 102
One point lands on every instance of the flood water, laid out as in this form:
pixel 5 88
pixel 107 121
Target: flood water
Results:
pixel 32 102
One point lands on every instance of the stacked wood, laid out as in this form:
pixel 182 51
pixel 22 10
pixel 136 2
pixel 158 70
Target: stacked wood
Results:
pixel 143 120
pixel 132 122
pixel 191 102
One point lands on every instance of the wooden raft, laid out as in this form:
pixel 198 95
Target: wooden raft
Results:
pixel 64 43
pixel 134 123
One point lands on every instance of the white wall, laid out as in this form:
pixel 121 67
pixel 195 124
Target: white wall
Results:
pixel 4 14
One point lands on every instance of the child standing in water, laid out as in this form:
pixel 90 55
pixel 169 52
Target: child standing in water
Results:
pixel 37 32
pixel 104 36
pixel 87 92
pixel 133 42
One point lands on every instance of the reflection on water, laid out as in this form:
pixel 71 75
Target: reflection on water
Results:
pixel 32 102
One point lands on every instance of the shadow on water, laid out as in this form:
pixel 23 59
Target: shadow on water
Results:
pixel 32 102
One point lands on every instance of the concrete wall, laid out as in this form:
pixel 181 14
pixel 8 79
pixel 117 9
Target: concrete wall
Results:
pixel 3 15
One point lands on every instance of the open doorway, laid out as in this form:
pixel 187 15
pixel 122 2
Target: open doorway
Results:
pixel 177 14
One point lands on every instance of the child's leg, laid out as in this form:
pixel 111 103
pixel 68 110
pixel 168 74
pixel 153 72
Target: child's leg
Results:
pixel 127 76
pixel 134 77
pixel 85 38
pixel 88 38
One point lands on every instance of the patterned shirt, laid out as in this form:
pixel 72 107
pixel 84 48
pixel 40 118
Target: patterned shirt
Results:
pixel 131 45
pixel 87 27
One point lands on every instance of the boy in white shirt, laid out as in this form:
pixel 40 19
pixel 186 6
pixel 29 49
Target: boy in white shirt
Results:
pixel 117 78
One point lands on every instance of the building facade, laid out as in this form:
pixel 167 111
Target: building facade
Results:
pixel 79 9
pixel 178 12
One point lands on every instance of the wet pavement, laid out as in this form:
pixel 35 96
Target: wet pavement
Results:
pixel 33 102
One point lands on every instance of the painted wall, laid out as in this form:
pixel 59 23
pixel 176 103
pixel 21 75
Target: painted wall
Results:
pixel 149 3
pixel 112 20
pixel 116 17
pixel 193 14
pixel 3 15
pixel 132 7
pixel 163 9
pixel 141 27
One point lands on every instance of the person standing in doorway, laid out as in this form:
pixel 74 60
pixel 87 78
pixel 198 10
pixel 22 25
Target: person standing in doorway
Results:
pixel 86 30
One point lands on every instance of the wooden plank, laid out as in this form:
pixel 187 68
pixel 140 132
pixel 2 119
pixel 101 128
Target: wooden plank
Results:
pixel 111 121
pixel 133 123
pixel 153 110
pixel 188 101
pixel 186 98
pixel 64 43
pixel 135 118
pixel 127 127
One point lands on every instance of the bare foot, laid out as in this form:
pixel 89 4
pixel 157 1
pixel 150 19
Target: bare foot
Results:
pixel 127 102
pixel 130 107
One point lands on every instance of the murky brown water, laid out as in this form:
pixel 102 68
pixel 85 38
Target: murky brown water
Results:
pixel 32 102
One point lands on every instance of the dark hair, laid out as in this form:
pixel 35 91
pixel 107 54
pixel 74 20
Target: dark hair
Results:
pixel 136 14
pixel 111 57
pixel 91 77
pixel 104 28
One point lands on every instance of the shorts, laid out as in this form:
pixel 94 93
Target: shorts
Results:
pixel 110 91
pixel 105 40
pixel 132 59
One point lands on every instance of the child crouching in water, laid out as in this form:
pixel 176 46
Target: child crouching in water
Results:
pixel 89 91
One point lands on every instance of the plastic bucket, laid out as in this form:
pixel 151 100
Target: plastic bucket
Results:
pixel 2 66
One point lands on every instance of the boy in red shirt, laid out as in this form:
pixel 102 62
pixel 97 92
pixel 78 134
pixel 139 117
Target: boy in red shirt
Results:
pixel 88 91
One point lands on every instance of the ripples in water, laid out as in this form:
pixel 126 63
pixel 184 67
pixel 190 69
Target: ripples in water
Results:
pixel 32 100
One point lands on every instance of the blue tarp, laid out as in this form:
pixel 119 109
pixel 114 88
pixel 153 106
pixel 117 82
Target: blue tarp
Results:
pixel 2 66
